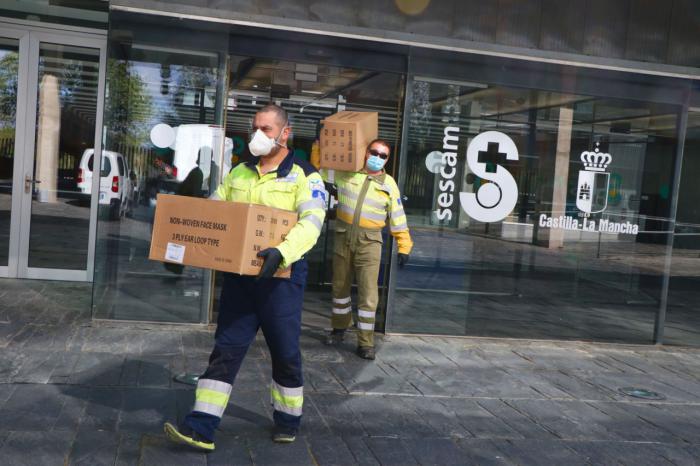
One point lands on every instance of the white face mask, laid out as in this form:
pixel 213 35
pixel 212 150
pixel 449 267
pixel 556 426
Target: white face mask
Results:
pixel 261 145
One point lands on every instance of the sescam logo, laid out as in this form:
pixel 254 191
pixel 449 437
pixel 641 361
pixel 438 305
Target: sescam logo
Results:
pixel 493 200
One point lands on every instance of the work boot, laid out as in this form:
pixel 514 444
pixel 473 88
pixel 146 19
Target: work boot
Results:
pixel 365 352
pixel 335 338
pixel 187 436
pixel 282 434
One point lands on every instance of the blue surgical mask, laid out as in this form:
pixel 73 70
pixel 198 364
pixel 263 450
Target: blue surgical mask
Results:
pixel 375 163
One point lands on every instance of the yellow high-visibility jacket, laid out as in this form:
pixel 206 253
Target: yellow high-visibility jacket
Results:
pixel 381 199
pixel 295 185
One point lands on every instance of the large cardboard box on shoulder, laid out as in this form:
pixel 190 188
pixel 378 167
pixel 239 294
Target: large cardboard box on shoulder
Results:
pixel 344 139
pixel 217 235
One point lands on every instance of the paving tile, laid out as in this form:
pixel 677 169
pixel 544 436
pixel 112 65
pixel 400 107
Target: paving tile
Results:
pixel 113 340
pixel 94 448
pixel 693 451
pixel 536 452
pixel 479 422
pixel 443 421
pixel 625 424
pixel 552 417
pixel 158 450
pixel 131 370
pixel 103 409
pixel 362 454
pixel 10 364
pixel 79 336
pixel 157 343
pixel 155 371
pixel 680 421
pixel 197 343
pixel 485 451
pixel 319 378
pixel 435 451
pixel 591 422
pixel 146 409
pixel 265 452
pixel 98 369
pixel 230 450
pixel 330 450
pixel 247 412
pixel 524 425
pixel 339 417
pixel 394 420
pixel 128 450
pixel 36 448
pixel 626 453
pixel 49 337
pixel 368 377
pixel 674 454
pixel 64 367
pixel 390 451
pixel 73 409
pixel 577 387
pixel 32 408
pixel 6 391
pixel 544 387
pixel 313 422
pixel 37 367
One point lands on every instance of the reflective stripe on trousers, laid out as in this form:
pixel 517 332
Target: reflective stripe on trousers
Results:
pixel 212 396
pixel 288 400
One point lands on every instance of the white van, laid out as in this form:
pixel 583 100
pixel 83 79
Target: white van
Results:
pixel 117 181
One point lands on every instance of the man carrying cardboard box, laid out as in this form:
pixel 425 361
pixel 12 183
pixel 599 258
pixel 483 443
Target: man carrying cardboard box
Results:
pixel 273 304
pixel 365 200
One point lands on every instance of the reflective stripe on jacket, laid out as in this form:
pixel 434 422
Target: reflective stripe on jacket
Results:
pixel 381 200
pixel 295 185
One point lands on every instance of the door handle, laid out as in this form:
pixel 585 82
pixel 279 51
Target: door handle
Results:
pixel 29 183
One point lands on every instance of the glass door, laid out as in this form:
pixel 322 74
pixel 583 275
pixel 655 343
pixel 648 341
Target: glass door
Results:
pixel 52 228
pixel 9 87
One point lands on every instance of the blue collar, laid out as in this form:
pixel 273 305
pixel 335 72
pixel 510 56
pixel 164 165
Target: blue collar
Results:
pixel 283 169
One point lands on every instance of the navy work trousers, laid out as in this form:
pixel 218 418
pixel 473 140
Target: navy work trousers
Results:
pixel 246 305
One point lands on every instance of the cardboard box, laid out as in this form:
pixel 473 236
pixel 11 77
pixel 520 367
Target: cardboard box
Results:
pixel 217 235
pixel 344 139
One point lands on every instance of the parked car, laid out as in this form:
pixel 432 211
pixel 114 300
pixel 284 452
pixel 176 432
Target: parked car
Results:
pixel 119 185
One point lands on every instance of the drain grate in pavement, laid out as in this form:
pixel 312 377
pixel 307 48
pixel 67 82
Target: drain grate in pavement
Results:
pixel 642 393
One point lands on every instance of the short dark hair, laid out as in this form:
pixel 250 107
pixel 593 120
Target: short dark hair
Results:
pixel 379 141
pixel 280 113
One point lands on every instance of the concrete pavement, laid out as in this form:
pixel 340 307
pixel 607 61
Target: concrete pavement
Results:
pixel 76 391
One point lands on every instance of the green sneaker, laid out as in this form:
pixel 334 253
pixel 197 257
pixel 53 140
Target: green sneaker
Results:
pixel 192 438
pixel 283 434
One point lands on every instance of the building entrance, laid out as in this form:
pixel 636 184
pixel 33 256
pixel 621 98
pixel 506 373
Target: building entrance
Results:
pixel 51 88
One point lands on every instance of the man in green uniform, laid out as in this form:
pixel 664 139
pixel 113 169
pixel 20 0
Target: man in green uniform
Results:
pixel 365 200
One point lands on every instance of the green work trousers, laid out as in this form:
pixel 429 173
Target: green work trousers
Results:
pixel 357 254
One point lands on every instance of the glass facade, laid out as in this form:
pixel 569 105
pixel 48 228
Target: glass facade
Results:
pixel 163 117
pixel 682 319
pixel 544 200
pixel 550 265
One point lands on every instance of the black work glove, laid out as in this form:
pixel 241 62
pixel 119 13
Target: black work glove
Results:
pixel 403 260
pixel 331 188
pixel 273 259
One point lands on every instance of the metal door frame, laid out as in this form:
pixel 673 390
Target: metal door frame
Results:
pixel 31 37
